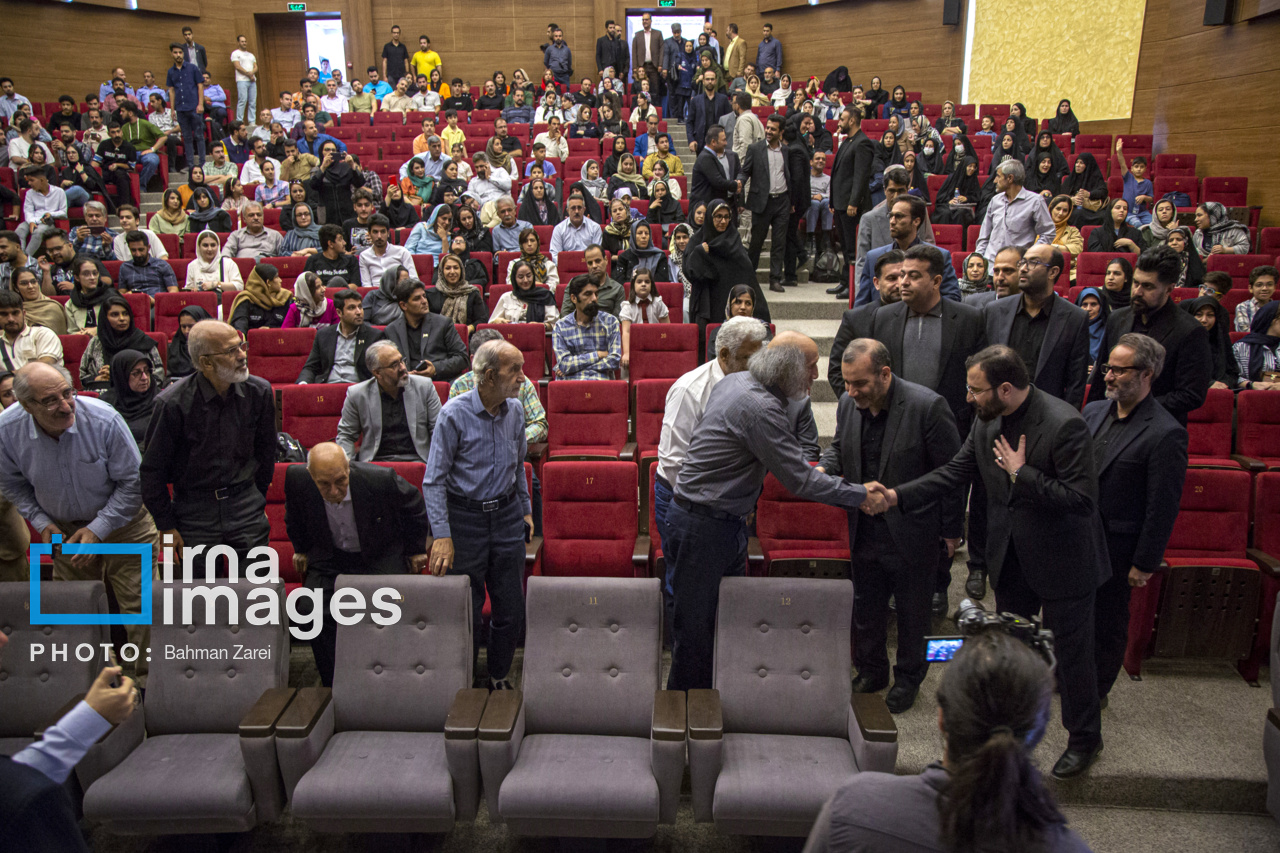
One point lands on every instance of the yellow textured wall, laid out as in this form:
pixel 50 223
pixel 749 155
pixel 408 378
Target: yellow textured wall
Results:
pixel 1039 51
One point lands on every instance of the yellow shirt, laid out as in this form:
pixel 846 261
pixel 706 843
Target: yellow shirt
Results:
pixel 451 136
pixel 424 61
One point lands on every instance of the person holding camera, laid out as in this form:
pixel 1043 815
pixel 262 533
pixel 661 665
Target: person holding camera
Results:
pixel 985 793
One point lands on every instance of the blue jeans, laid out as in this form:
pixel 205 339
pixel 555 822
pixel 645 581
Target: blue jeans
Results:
pixel 488 547
pixel 817 210
pixel 76 196
pixel 700 551
pixel 192 126
pixel 247 96
pixel 148 165
pixel 1139 218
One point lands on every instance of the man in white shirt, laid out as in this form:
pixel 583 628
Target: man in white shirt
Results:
pixel 488 185
pixel 129 221
pixel 20 145
pixel 381 256
pixel 332 102
pixel 1016 216
pixel 424 99
pixel 251 171
pixel 40 209
pixel 344 88
pixel 285 113
pixel 246 66
pixel 21 343
pixel 575 232
pixel 554 140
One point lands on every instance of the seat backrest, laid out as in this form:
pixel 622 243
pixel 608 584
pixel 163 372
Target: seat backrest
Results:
pixel 1188 184
pixel 1266 511
pixel 587 413
pixel 170 305
pixel 663 350
pixel 1175 164
pixel 530 339
pixel 1209 427
pixel 1213 515
pixel 785 522
pixel 672 293
pixel 1233 192
pixel 948 237
pixel 278 355
pixel 592 655
pixel 35 688
pixel 589 518
pixel 782 655
pixel 73 347
pixel 651 402
pixel 275 517
pixel 310 413
pixel 1259 425
pixel 1091 268
pixel 1237 266
pixel 210 692
pixel 403 676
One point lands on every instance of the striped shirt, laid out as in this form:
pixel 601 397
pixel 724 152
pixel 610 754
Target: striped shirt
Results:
pixel 578 347
pixel 1270 358
pixel 535 416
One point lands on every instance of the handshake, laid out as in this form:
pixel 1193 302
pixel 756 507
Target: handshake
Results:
pixel 879 498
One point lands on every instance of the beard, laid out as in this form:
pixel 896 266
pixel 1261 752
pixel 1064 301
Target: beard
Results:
pixel 986 413
pixel 592 310
pixel 233 374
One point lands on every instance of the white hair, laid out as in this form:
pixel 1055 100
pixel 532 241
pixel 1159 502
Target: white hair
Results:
pixel 780 366
pixel 1012 170
pixel 738 330
pixel 371 354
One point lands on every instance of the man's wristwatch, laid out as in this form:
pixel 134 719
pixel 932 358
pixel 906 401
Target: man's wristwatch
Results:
pixel 1013 476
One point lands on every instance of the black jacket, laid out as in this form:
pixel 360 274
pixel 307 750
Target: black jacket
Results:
pixel 1140 483
pixel 855 323
pixel 38 816
pixel 611 51
pixel 391 519
pixel 1188 361
pixel 708 181
pixel 440 345
pixel 798 159
pixel 1050 514
pixel 1063 367
pixel 851 173
pixel 320 361
pixel 755 166
pixel 250 315
pixel 919 436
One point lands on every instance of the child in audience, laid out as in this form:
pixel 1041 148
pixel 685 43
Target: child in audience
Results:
pixel 643 305
pixel 1262 286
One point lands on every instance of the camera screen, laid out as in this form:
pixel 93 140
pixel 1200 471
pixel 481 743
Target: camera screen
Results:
pixel 941 649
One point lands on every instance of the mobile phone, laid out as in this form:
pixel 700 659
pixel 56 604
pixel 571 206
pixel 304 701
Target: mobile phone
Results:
pixel 528 532
pixel 422 365
pixel 941 649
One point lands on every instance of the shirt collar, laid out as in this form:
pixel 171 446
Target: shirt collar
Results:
pixel 935 311
pixel 1045 310
pixel 346 499
pixel 208 392
pixel 477 406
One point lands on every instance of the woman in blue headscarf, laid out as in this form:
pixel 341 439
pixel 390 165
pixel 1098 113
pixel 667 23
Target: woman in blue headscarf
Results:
pixel 428 236
pixel 1092 303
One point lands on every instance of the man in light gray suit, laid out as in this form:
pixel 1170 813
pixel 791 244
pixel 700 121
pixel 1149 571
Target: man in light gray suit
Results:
pixel 392 415
pixel 873 228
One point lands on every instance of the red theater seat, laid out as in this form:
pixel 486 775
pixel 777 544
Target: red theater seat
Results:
pixel 1209 428
pixel 651 401
pixel 1232 192
pixel 1258 430
pixel 530 339
pixel 73 347
pixel 589 526
pixel 663 350
pixel 1238 266
pixel 800 537
pixel 310 413
pixel 1266 547
pixel 277 355
pixel 587 419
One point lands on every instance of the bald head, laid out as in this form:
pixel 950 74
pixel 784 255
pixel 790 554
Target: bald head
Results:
pixel 806 345
pixel 211 344
pixel 330 471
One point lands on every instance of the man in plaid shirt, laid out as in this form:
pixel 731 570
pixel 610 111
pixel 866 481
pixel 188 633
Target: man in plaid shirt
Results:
pixel 588 344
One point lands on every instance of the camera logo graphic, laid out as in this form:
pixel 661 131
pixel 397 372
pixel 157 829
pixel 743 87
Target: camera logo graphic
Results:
pixel 142 551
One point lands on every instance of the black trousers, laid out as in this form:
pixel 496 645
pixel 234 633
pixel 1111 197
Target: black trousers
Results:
pixel 119 178
pixel 239 521
pixel 1111 625
pixel 1071 621
pixel 978 526
pixel 321 575
pixel 488 547
pixel 774 219
pixel 847 228
pixel 879 571
pixel 794 246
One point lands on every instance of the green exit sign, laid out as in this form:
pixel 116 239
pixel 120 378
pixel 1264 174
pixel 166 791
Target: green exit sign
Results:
pixel 296 7
pixel 666 4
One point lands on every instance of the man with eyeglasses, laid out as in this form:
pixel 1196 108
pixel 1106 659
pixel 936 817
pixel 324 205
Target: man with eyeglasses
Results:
pixel 1045 541
pixel 907 216
pixel 213 437
pixel 1141 454
pixel 70 466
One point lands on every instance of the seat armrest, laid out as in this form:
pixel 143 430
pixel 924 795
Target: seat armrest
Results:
pixel 261 719
pixel 1253 466
pixel 1265 561
pixel 669 720
pixel 531 549
pixel 874 720
pixel 464 714
pixel 706 716
pixel 499 718
pixel 303 712
pixel 640 556
pixel 755 553
pixel 628 452
pixel 38 734
pixel 536 451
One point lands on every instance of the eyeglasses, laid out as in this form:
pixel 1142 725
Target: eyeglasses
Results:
pixel 976 392
pixel 243 346
pixel 1117 369
pixel 1027 263
pixel 52 403
pixel 139 373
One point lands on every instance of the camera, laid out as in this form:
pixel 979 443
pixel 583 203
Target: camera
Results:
pixel 972 620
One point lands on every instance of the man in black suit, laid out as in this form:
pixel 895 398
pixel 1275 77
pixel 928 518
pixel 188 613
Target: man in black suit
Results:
pixel 429 342
pixel 1188 363
pixel 715 172
pixel 798 162
pixel 611 51
pixel 326 363
pixel 350 518
pixel 768 198
pixel 1045 541
pixel 704 109
pixel 892 431
pixel 1141 454
pixel 857 322
pixel 851 188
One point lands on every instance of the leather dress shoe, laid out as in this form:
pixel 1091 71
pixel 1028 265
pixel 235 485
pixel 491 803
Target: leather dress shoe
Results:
pixel 901 697
pixel 776 287
pixel 939 604
pixel 865 684
pixel 840 292
pixel 1074 762
pixel 976 585
pixel 791 282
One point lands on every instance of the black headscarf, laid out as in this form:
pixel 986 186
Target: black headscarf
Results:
pixel 1028 123
pixel 935 163
pixel 838 81
pixel 1192 266
pixel 714 271
pixel 89 302
pixel 667 211
pixel 885 156
pixel 478 238
pixel 207 217
pixel 529 208
pixel 1090 180
pixel 1020 145
pixel 919 185
pixel 458 186
pixel 1121 298
pixel 1064 123
pixel 1044 144
pixel 1036 182
pixel 113 341
pixel 1225 369
pixel 180 363
pixel 535 295
pixel 962 183
pixel 401 213
pixel 949 165
pixel 610 165
pixel 135 408
pixel 1258 340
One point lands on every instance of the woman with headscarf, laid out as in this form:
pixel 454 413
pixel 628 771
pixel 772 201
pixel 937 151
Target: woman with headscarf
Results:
pixel 469 228
pixel 170 218
pixel 628 176
pixel 582 127
pixel 85 175
pixel 380 304
pixel 132 391
pixel 838 81
pixel 180 363
pixel 535 207
pixel 885 155
pixel 195 181
pixel 1258 353
pixel 428 236
pixel 1064 120
pixel 1098 309
pixel 92 288
pixel 896 105
pixel 520 80
pixel 929 151
pixel 417 186
pixel 1216 233
pixel 297 195
pixel 661 173
pixel 977 275
pixel 40 310
pixel 715 264
pixel 697 220
pixel 758 97
pixel 304 237
pixel 544 271
pixel 311 307
pixel 741 303
pixel 642 254
pixel 116 332
pixel 611 122
pixel 902 139
pixel 333 181
pixel 263 303
pixel 617 150
pixel 1115 234
pixel 500 158
pixel 616 238
pixel 1210 314
pixel 958 195
pixel 455 299
pixel 663 207
pixel 1028 124
pixel 1039 176
pixel 919 183
pixel 1164 218
pixel 1192 275
pixel 958 148
pixel 549 106
pixel 678 244
pixel 210 269
pixel 1066 236
pixel 1087 188
pixel 877 96
pixel 589 176
pixel 781 97
pixel 400 213
pixel 205 215
pixel 1117 283
pixel 1044 144
pixel 949 124
pixel 526 302
pixel 449 183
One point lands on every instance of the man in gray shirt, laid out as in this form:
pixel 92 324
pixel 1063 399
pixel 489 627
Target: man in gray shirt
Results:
pixel 745 432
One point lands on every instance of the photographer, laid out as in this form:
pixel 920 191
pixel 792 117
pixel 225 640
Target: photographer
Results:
pixel 993 707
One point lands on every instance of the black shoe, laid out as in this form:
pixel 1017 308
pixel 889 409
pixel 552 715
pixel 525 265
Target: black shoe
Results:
pixel 939 604
pixel 976 585
pixel 865 684
pixel 501 684
pixel 1074 762
pixel 775 287
pixel 1102 702
pixel 791 283
pixel 835 291
pixel 901 697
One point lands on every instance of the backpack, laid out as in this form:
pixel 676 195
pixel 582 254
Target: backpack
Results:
pixel 289 449
pixel 827 269
pixel 475 273
pixel 1179 199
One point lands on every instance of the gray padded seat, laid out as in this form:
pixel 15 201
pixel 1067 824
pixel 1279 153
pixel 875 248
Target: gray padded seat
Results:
pixel 592 747
pixel 779 735
pixel 208 763
pixel 392 747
